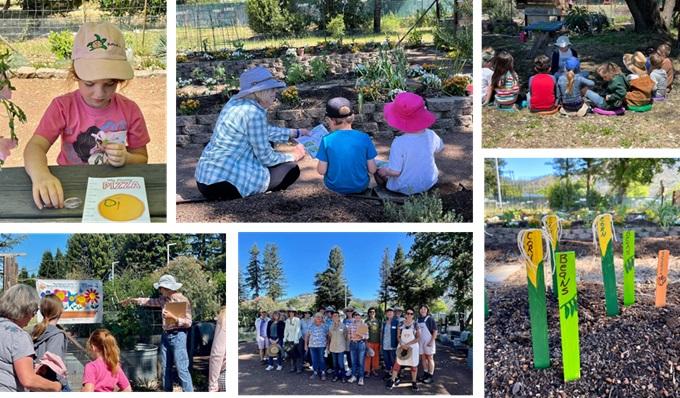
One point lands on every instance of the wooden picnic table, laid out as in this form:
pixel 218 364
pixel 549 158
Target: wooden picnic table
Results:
pixel 543 30
pixel 16 197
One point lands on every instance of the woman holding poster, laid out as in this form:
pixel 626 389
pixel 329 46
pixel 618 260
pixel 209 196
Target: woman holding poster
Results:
pixel 176 310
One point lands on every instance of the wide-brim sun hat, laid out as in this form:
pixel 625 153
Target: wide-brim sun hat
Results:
pixel 257 79
pixel 99 53
pixel 563 42
pixel 635 63
pixel 407 113
pixel 168 282
pixel 404 354
pixel 53 362
pixel 273 350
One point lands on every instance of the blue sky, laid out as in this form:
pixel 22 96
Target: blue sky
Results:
pixel 525 168
pixel 34 246
pixel 305 254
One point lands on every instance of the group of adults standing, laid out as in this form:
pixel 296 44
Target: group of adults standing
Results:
pixel 350 349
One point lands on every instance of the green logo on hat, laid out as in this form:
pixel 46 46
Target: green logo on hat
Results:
pixel 98 42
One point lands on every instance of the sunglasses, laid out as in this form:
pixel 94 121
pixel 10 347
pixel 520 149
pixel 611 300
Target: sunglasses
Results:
pixel 409 313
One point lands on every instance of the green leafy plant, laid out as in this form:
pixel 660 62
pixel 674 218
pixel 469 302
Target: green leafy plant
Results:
pixel 665 215
pixel 415 38
pixel 296 74
pixel 425 207
pixel 197 74
pixel 290 96
pixel 181 58
pixel 189 106
pixel 390 23
pixel 61 44
pixel 14 112
pixel 456 85
pixel 431 82
pixel 120 8
pixel 336 26
pixel 220 74
pixel 319 67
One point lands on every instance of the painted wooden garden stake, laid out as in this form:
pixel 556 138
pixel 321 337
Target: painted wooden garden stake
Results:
pixel 530 244
pixel 628 267
pixel 553 226
pixel 603 231
pixel 662 278
pixel 566 277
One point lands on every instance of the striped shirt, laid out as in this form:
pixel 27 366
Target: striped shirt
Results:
pixel 507 89
pixel 353 330
pixel 184 322
pixel 240 149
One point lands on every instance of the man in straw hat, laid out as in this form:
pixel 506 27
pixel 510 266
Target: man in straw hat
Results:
pixel 239 161
pixel 175 329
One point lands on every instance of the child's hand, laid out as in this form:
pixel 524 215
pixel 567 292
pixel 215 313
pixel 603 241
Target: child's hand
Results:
pixel 382 172
pixel 117 154
pixel 299 152
pixel 47 191
pixel 305 132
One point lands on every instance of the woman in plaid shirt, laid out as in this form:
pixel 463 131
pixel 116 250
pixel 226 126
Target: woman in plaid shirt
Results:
pixel 239 161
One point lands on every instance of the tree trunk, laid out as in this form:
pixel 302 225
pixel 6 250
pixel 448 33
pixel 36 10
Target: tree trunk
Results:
pixel 667 12
pixel 647 16
pixel 377 15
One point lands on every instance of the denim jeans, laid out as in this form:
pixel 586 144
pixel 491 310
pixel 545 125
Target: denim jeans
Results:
pixel 339 364
pixel 357 350
pixel 390 357
pixel 270 360
pixel 318 361
pixel 174 351
pixel 596 99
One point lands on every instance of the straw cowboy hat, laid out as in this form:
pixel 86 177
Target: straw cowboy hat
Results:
pixel 404 354
pixel 168 282
pixel 407 113
pixel 636 63
pixel 273 350
pixel 256 79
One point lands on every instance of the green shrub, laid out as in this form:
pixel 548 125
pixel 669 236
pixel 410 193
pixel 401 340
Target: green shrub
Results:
pixel 390 23
pixel 665 215
pixel 296 74
pixel 133 7
pixel 290 96
pixel 425 207
pixel 319 68
pixel 563 196
pixel 61 44
pixel 336 27
pixel 265 17
pixel 415 38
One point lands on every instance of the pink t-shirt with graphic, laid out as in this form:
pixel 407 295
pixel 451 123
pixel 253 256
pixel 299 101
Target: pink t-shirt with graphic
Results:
pixel 98 374
pixel 77 123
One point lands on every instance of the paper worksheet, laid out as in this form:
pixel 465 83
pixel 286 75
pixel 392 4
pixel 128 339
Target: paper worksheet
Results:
pixel 116 199
pixel 312 141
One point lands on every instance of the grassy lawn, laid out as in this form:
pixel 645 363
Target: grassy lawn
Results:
pixel 525 130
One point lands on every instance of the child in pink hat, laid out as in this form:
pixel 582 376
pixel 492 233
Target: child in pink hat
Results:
pixel 411 168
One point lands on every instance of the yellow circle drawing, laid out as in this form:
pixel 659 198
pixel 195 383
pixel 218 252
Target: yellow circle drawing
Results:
pixel 121 207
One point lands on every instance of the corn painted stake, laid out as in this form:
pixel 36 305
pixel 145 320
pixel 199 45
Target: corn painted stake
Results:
pixel 567 297
pixel 603 232
pixel 530 244
pixel 553 226
pixel 628 268
pixel 662 278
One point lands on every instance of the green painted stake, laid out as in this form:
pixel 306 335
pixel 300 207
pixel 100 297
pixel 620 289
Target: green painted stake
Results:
pixel 566 276
pixel 531 241
pixel 486 305
pixel 628 268
pixel 602 227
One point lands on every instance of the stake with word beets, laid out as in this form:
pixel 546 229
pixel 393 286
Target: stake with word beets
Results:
pixel 603 232
pixel 530 245
pixel 553 226
pixel 662 278
pixel 628 268
pixel 566 279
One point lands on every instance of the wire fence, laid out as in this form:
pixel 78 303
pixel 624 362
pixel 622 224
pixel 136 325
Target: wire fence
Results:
pixel 27 19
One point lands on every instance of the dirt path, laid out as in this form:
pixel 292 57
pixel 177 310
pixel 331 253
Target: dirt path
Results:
pixel 523 129
pixel 452 377
pixel 308 200
pixel 34 95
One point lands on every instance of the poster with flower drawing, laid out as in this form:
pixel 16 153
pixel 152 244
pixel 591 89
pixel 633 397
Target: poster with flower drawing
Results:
pixel 82 300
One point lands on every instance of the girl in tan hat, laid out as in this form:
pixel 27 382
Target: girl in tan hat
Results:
pixel 96 125
pixel 640 84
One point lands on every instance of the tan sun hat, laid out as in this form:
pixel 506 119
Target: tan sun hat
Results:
pixel 99 53
pixel 404 354
pixel 273 350
pixel 636 63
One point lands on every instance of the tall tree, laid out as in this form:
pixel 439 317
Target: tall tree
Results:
pixel 377 15
pixel 145 253
pixel 589 168
pixel 400 280
pixel 241 288
pixel 209 248
pixel 272 272
pixel 89 254
pixel 621 173
pixel 254 278
pixel 23 274
pixel 647 15
pixel 564 168
pixel 61 265
pixel 384 295
pixel 330 285
pixel 46 265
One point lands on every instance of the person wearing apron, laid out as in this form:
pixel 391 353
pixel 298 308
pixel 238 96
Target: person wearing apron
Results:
pixel 427 342
pixel 408 338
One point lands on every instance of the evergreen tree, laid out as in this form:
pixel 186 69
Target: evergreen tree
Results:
pixel 88 254
pixel 272 272
pixel 45 270
pixel 23 274
pixel 384 295
pixel 61 266
pixel 330 284
pixel 145 253
pixel 399 280
pixel 254 280
pixel 241 288
pixel 209 248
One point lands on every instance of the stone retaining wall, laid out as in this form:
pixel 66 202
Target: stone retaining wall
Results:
pixel 454 115
pixel 509 235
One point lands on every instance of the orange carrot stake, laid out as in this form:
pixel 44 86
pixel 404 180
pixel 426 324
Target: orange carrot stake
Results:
pixel 662 278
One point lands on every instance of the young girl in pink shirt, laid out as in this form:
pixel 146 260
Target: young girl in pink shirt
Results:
pixel 104 373
pixel 96 125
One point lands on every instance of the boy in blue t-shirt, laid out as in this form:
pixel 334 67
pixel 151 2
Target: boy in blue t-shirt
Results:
pixel 346 156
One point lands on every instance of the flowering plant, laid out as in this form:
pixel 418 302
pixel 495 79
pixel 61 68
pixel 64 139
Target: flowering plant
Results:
pixel 13 111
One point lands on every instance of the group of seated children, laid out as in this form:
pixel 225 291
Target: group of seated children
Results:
pixel 347 157
pixel 559 84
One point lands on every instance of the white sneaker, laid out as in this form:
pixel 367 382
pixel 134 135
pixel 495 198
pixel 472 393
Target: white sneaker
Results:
pixel 269 367
pixel 279 367
pixel 361 381
pixel 352 379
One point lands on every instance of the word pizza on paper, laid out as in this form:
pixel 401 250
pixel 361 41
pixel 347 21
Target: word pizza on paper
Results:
pixel 116 199
pixel 82 299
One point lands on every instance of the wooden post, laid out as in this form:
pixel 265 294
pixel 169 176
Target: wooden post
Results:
pixel 662 278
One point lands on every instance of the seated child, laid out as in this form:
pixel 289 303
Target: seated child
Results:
pixel 541 95
pixel 412 168
pixel 96 124
pixel 561 55
pixel 616 89
pixel 504 85
pixel 640 85
pixel 571 87
pixel 104 373
pixel 658 75
pixel 487 72
pixel 346 156
pixel 665 51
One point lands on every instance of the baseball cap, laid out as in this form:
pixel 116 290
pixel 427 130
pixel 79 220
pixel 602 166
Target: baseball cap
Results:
pixel 99 53
pixel 338 107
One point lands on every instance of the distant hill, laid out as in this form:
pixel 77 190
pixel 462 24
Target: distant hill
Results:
pixel 305 301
